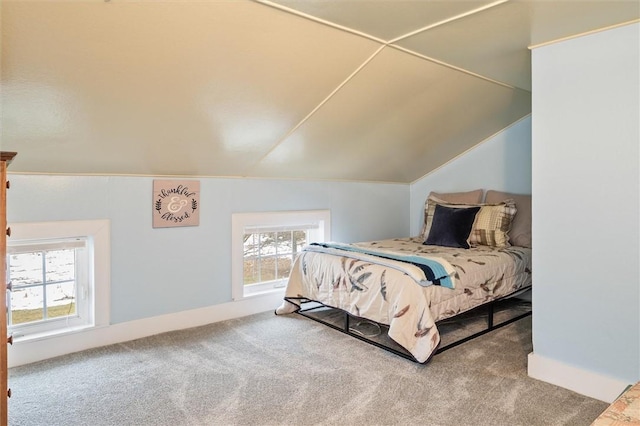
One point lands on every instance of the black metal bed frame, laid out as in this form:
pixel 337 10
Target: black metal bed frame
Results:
pixel 346 328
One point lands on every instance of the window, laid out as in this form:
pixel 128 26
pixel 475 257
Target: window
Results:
pixel 265 246
pixel 49 282
pixel 52 269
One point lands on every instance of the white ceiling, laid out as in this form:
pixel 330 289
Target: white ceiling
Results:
pixel 379 90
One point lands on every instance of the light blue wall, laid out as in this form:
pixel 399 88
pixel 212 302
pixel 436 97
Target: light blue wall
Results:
pixel 502 163
pixel 586 186
pixel 161 271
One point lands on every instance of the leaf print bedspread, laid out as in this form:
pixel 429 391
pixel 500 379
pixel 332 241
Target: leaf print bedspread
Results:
pixel 388 292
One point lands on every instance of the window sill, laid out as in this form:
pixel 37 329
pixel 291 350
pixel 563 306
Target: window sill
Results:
pixel 34 337
pixel 269 292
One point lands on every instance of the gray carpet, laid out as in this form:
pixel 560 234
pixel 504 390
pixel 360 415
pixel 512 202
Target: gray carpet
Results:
pixel 288 370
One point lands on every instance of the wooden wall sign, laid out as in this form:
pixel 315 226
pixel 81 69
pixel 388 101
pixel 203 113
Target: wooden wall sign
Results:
pixel 176 203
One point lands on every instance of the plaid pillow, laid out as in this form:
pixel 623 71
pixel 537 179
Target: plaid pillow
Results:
pixel 520 234
pixel 492 224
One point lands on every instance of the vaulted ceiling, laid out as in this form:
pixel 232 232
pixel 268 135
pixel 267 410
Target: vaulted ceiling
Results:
pixel 377 90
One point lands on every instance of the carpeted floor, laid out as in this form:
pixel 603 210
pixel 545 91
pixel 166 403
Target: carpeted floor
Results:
pixel 288 370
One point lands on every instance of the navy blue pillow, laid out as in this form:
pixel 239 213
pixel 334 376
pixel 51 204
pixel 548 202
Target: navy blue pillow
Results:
pixel 451 226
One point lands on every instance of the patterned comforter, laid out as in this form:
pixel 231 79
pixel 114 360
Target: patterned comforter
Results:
pixel 394 293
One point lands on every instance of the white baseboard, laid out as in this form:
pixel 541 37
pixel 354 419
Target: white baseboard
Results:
pixel 28 351
pixel 593 385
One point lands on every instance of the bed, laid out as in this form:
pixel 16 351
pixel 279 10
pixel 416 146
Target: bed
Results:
pixel 464 258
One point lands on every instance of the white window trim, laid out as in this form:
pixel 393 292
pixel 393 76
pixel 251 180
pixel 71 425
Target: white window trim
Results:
pixel 98 232
pixel 83 285
pixel 241 221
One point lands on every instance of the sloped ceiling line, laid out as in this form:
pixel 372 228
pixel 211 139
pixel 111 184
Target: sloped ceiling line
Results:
pixel 446 21
pixel 392 42
pixel 295 88
pixel 313 111
pixel 320 21
pixel 384 43
pixel 436 61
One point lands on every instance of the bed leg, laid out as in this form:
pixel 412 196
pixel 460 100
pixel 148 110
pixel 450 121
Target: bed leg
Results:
pixel 490 316
pixel 346 322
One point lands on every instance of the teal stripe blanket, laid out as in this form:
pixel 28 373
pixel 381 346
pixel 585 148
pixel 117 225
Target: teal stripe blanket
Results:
pixel 435 272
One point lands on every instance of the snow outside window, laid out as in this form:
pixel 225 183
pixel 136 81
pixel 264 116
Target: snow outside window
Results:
pixel 51 267
pixel 265 245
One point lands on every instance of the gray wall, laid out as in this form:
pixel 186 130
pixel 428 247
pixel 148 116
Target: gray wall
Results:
pixel 586 190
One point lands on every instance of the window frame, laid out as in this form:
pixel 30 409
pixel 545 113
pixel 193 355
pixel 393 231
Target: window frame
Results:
pixel 83 313
pixel 272 221
pixel 97 236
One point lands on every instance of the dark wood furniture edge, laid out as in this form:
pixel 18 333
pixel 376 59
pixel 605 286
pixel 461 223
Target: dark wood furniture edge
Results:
pixel 5 391
pixel 7 156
